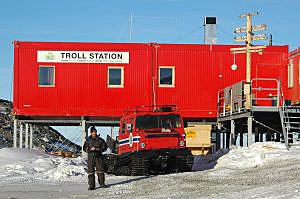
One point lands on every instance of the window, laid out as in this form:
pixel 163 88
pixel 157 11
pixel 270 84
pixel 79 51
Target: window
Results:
pixel 130 125
pixel 46 76
pixel 170 121
pixel 115 77
pixel 291 74
pixel 166 76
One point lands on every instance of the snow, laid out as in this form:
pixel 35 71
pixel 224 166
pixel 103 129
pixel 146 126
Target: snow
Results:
pixel 32 165
pixel 256 155
pixel 263 170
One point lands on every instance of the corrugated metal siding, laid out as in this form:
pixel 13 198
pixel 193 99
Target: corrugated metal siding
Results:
pixel 81 89
pixel 203 70
pixel 295 90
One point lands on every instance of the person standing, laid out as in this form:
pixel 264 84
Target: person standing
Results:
pixel 95 146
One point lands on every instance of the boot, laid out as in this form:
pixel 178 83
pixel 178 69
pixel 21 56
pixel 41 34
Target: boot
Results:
pixel 101 179
pixel 91 178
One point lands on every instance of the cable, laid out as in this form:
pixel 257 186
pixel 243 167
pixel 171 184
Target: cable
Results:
pixel 188 34
pixel 266 126
pixel 122 30
pixel 226 33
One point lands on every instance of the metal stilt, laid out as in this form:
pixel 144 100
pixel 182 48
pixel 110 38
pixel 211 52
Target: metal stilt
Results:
pixel 26 135
pixel 21 136
pixel 15 132
pixel 31 138
pixel 84 134
pixel 250 132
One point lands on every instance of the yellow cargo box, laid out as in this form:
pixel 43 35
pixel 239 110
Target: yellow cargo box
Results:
pixel 198 139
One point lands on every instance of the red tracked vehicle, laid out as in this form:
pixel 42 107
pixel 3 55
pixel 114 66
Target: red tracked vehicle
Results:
pixel 151 141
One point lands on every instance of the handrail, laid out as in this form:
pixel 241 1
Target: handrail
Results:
pixel 284 129
pixel 277 89
pixel 222 96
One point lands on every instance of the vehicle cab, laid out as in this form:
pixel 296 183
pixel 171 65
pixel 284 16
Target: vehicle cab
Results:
pixel 151 128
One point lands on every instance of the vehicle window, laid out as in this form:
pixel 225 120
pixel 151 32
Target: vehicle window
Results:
pixel 130 125
pixel 158 121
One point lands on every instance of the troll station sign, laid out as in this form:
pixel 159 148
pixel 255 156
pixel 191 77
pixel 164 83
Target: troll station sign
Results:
pixel 83 57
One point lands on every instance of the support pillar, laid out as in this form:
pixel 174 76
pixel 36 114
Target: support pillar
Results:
pixel 261 139
pixel 31 138
pixel 221 140
pixel 250 132
pixel 15 132
pixel 21 136
pixel 218 136
pixel 245 139
pixel 84 128
pixel 232 133
pixel 238 138
pixel 26 135
pixel 112 132
pixel 264 138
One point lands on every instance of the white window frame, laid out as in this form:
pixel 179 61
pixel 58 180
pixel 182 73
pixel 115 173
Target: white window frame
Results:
pixel 54 75
pixel 122 76
pixel 173 77
pixel 291 74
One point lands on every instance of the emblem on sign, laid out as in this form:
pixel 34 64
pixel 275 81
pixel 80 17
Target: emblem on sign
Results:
pixel 50 56
pixel 130 140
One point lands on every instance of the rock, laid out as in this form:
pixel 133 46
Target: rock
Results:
pixel 44 137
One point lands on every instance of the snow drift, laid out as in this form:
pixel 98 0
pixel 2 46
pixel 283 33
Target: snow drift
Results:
pixel 25 165
pixel 258 154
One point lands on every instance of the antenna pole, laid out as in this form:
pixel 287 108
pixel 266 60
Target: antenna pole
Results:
pixel 130 28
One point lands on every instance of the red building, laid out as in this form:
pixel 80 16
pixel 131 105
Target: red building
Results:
pixel 294 76
pixel 100 80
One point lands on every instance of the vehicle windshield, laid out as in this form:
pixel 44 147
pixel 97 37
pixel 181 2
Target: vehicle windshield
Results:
pixel 170 121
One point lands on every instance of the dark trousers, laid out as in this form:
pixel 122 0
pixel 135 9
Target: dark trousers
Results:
pixel 95 161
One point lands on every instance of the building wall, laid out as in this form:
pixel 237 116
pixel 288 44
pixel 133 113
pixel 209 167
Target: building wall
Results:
pixel 81 89
pixel 294 76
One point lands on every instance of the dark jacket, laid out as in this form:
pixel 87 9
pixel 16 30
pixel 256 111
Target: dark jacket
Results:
pixel 98 143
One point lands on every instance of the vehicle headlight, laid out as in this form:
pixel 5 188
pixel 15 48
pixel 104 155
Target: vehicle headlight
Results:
pixel 143 145
pixel 181 143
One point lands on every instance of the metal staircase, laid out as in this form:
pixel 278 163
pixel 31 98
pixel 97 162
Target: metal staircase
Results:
pixel 290 121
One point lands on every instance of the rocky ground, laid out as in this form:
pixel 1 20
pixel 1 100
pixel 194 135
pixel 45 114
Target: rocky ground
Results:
pixel 45 137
